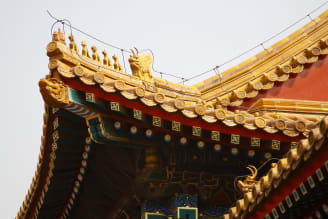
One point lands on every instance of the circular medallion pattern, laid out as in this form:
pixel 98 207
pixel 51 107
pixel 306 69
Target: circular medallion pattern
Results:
pixel 149 133
pixel 200 144
pixel 234 151
pixel 133 130
pixel 267 155
pixel 167 138
pixel 217 148
pixel 251 153
pixel 117 125
pixel 183 140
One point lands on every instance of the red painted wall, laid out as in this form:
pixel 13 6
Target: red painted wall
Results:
pixel 311 84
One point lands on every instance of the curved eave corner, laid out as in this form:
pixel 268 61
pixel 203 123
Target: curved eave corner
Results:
pixel 313 147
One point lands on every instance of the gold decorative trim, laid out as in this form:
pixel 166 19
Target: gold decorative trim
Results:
pixel 290 105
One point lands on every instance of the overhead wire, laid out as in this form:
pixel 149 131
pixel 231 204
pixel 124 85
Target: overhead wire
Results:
pixel 183 79
pixel 63 21
pixel 263 42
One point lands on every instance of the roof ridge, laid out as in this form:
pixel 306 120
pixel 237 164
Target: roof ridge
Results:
pixel 259 72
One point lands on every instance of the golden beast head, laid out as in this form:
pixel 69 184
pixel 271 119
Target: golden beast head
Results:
pixel 141 65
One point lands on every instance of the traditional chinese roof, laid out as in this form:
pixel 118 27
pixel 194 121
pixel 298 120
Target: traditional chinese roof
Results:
pixel 275 64
pixel 301 169
pixel 193 101
pixel 85 95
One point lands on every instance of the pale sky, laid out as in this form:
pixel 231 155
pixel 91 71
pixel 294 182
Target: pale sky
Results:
pixel 187 37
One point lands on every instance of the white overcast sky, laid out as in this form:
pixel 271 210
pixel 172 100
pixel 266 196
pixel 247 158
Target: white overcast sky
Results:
pixel 187 37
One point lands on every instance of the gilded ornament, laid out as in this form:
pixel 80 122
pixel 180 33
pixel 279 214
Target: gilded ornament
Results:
pixel 311 54
pixel 316 51
pixel 314 135
pixel 238 94
pixel 159 98
pixel 301 59
pixel 141 65
pixel 179 104
pixel 200 109
pixel 87 78
pixel 239 118
pixel 53 64
pixel 59 36
pixel 119 85
pixel 72 44
pixel 220 114
pixel 300 126
pixel 85 51
pixel 286 69
pixel 257 85
pixel 270 76
pixel 323 125
pixel 298 69
pixel 224 101
pixel 106 60
pixel 67 73
pixel 260 122
pixel 51 47
pixel 324 42
pixel 95 55
pixel 99 77
pixel 78 71
pixel 280 124
pixel 54 92
pixel 139 91
pixel 117 65
pixel 247 184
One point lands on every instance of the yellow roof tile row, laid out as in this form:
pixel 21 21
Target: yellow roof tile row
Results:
pixel 276 64
pixel 280 171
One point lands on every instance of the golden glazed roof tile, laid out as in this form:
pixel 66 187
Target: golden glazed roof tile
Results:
pixel 243 81
pixel 291 106
pixel 276 64
pixel 171 97
pixel 280 171
pixel 204 100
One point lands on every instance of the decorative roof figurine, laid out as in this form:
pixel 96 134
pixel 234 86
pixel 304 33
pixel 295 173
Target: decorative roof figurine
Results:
pixel 72 44
pixel 247 184
pixel 117 65
pixel 95 55
pixel 85 51
pixel 149 139
pixel 141 65
pixel 106 60
pixel 59 36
